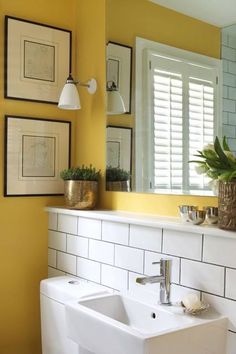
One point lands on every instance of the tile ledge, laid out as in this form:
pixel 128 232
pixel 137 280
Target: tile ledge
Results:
pixel 151 220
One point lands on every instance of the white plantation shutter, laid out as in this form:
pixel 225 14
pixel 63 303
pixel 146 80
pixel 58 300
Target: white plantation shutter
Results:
pixel 168 131
pixel 201 124
pixel 182 100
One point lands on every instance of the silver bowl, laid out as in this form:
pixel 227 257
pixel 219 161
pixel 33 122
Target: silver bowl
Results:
pixel 197 217
pixel 184 210
pixel 211 215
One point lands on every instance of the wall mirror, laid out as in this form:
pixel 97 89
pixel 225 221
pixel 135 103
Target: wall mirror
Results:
pixel 179 99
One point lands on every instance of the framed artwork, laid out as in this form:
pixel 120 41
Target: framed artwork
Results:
pixel 119 70
pixel 36 151
pixel 37 60
pixel 119 147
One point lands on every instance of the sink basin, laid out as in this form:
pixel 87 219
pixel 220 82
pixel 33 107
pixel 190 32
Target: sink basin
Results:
pixel 119 324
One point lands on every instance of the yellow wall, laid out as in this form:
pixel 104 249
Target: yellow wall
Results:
pixel 23 222
pixel 126 20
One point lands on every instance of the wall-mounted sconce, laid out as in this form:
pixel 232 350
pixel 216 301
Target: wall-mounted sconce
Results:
pixel 69 98
pixel 115 103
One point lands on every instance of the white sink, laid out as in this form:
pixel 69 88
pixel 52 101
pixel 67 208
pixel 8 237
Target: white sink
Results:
pixel 119 324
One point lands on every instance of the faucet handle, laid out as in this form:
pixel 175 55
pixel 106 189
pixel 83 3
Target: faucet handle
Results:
pixel 163 261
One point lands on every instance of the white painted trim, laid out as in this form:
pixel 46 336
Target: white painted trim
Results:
pixel 143 46
pixel 151 220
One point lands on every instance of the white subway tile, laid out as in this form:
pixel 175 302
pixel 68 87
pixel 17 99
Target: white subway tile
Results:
pixel 230 289
pixel 57 240
pixel 154 269
pixel 52 272
pixel 224 38
pixel 232 118
pixel 129 258
pixel 66 262
pixel 232 144
pixel 101 251
pixel 232 41
pixel 228 53
pixel 77 245
pixel 225 65
pixel 232 93
pixel 148 238
pixel 90 228
pixel 113 277
pixel 228 105
pixel 89 270
pixel 178 292
pixel 67 223
pixel 182 244
pixel 229 79
pixel 229 131
pixel 202 276
pixel 232 67
pixel 231 343
pixel 52 257
pixel 220 250
pixel 52 221
pixel 224 306
pixel 115 232
pixel 225 91
pixel 225 117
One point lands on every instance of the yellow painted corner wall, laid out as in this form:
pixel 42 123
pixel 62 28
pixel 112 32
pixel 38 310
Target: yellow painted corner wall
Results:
pixel 173 29
pixel 23 221
pixel 23 232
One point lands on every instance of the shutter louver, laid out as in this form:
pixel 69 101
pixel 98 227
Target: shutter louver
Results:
pixel 183 100
pixel 168 138
pixel 201 125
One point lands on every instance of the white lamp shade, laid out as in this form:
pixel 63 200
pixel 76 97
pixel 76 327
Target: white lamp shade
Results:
pixel 115 103
pixel 69 98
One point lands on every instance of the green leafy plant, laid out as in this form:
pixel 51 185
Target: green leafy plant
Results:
pixel 217 161
pixel 82 173
pixel 116 174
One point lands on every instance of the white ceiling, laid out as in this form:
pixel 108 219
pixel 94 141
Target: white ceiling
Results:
pixel 220 13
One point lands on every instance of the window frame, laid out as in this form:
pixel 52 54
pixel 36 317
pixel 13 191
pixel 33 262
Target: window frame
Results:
pixel 145 48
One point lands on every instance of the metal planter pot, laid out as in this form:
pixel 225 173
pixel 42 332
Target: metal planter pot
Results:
pixel 122 186
pixel 227 205
pixel 81 194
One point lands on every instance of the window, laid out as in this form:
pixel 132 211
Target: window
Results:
pixel 180 114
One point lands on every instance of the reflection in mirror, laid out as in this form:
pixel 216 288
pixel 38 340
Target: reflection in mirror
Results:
pixel 228 54
pixel 177 112
pixel 176 95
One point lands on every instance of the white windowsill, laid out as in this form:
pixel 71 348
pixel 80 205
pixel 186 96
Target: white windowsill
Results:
pixel 171 223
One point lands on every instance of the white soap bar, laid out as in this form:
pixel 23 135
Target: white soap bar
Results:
pixel 192 302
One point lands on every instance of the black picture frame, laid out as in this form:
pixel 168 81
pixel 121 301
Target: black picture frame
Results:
pixel 37 60
pixel 36 150
pixel 121 56
pixel 120 136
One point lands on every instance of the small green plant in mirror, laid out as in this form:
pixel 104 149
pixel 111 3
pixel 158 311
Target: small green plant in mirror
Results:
pixel 83 173
pixel 116 174
pixel 217 161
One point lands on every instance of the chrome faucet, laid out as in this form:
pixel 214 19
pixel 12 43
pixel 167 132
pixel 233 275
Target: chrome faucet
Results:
pixel 163 279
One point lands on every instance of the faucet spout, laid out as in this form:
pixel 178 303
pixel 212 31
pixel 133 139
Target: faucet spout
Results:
pixel 163 279
pixel 150 280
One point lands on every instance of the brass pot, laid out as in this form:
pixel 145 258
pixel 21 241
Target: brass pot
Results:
pixel 122 186
pixel 80 194
pixel 227 205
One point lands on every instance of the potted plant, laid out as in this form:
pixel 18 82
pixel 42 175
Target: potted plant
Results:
pixel 219 163
pixel 117 179
pixel 80 187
